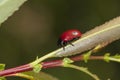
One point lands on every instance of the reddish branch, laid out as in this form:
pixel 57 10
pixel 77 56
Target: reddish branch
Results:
pixel 48 64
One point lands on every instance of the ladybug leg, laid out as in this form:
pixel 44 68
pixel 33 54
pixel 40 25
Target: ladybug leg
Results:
pixel 63 45
pixel 71 43
pixel 64 48
pixel 76 38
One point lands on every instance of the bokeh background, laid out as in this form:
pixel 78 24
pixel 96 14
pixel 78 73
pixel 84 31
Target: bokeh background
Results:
pixel 34 29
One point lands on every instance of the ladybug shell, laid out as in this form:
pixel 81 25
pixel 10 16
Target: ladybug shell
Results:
pixel 69 36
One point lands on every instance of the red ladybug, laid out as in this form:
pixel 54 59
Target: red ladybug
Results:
pixel 68 36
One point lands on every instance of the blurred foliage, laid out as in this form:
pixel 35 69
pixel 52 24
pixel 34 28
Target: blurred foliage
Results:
pixel 34 29
pixel 40 75
pixel 2 67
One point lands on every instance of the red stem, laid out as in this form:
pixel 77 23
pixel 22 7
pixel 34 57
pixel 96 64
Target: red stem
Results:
pixel 48 64
pixel 22 68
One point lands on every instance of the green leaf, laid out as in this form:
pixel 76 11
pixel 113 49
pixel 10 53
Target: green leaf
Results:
pixel 67 61
pixel 107 57
pixel 2 66
pixel 2 78
pixel 37 68
pixel 87 55
pixel 40 76
pixel 8 7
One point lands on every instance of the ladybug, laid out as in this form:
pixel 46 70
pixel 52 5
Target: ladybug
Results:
pixel 68 36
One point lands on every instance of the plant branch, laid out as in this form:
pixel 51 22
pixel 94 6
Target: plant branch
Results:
pixel 55 63
pixel 85 70
pixel 24 76
pixel 48 64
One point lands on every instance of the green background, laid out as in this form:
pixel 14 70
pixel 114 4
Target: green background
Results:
pixel 34 29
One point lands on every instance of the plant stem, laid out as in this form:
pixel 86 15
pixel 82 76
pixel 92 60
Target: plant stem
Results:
pixel 85 70
pixel 49 55
pixel 24 76
pixel 114 59
pixel 15 70
pixel 48 64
